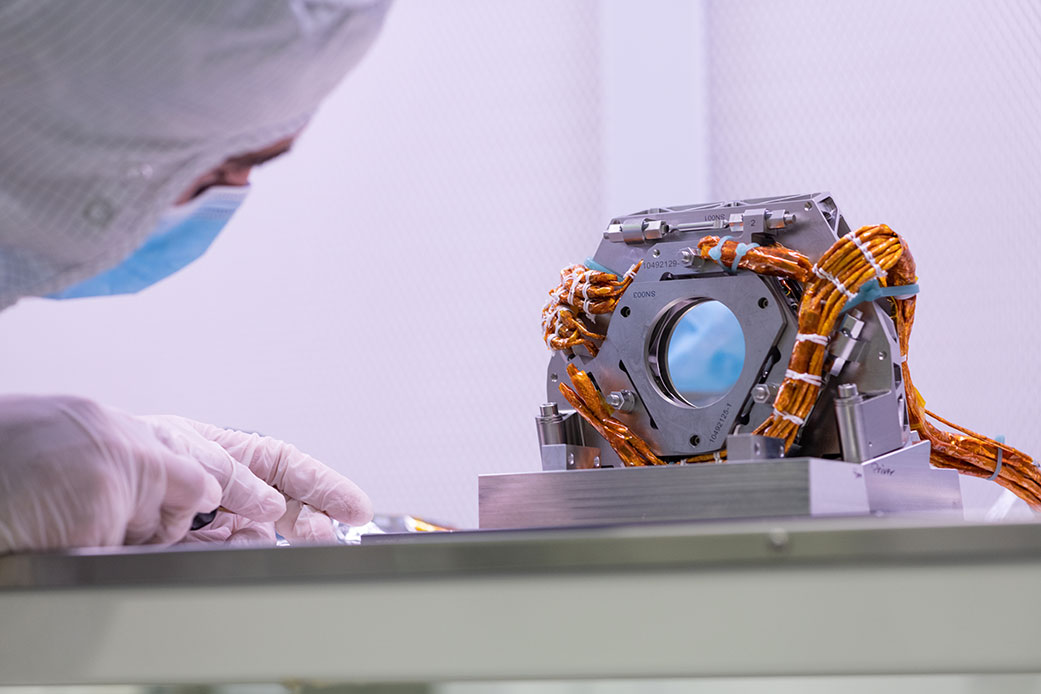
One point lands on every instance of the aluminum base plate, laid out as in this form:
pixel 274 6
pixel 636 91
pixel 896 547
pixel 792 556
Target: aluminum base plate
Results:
pixel 898 482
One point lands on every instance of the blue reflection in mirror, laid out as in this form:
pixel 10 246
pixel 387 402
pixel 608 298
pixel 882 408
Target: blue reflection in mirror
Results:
pixel 705 353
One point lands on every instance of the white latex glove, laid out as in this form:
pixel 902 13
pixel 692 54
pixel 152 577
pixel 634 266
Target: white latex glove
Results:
pixel 301 524
pixel 314 493
pixel 77 474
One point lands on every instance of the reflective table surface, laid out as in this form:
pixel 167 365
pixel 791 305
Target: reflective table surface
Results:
pixel 721 599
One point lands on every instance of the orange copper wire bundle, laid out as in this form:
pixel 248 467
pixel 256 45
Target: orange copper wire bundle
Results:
pixel 588 402
pixel 836 278
pixel 969 453
pixel 764 260
pixel 581 294
pixel 870 253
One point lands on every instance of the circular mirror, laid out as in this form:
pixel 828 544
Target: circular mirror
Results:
pixel 704 353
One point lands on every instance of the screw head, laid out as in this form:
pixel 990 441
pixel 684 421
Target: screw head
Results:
pixel 621 400
pixel 777 539
pixel 848 390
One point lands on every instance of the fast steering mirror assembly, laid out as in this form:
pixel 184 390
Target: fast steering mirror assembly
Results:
pixel 740 359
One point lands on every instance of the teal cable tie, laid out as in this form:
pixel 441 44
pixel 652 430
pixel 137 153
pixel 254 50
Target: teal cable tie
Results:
pixel 739 253
pixel 871 290
pixel 716 251
pixel 997 471
pixel 593 265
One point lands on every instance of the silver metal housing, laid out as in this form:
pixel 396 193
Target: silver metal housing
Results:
pixel 831 469
pixel 762 305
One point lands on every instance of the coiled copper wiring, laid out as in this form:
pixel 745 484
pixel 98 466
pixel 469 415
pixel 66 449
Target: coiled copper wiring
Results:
pixel 581 294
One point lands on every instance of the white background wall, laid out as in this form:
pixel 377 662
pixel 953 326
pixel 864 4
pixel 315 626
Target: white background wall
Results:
pixel 923 115
pixel 377 300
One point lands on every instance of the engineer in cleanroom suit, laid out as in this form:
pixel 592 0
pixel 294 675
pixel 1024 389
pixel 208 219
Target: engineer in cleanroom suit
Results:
pixel 127 132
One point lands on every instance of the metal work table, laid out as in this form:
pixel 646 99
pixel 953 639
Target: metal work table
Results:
pixel 786 597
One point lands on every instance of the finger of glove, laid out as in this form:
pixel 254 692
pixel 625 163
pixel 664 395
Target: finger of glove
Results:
pixel 190 489
pixel 294 473
pixel 233 529
pixel 305 524
pixel 250 532
pixel 217 531
pixel 243 492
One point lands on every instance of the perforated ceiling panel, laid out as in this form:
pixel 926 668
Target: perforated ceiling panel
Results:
pixel 923 115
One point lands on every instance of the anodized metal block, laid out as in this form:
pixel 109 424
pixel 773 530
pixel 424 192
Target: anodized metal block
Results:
pixel 901 481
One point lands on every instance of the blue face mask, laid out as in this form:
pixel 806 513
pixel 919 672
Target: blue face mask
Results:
pixel 182 235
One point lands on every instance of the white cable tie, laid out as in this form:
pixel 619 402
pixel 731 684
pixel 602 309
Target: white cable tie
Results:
pixel 631 272
pixel 825 275
pixel 903 358
pixel 553 319
pixel 717 457
pixel 585 307
pixel 583 279
pixel 812 337
pixel 571 290
pixel 862 247
pixel 790 417
pixel 805 378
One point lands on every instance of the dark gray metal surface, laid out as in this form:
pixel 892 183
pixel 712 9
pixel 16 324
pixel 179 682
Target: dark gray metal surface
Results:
pixel 628 548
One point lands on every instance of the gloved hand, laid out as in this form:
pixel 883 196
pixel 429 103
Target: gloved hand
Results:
pixel 313 492
pixel 77 474
pixel 301 523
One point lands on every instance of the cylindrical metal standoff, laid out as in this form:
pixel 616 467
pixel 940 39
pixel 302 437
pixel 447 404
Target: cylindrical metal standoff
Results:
pixel 849 416
pixel 848 390
pixel 550 425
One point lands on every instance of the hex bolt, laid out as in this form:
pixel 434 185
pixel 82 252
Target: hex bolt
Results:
pixel 764 393
pixel 655 229
pixel 621 400
pixel 691 258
